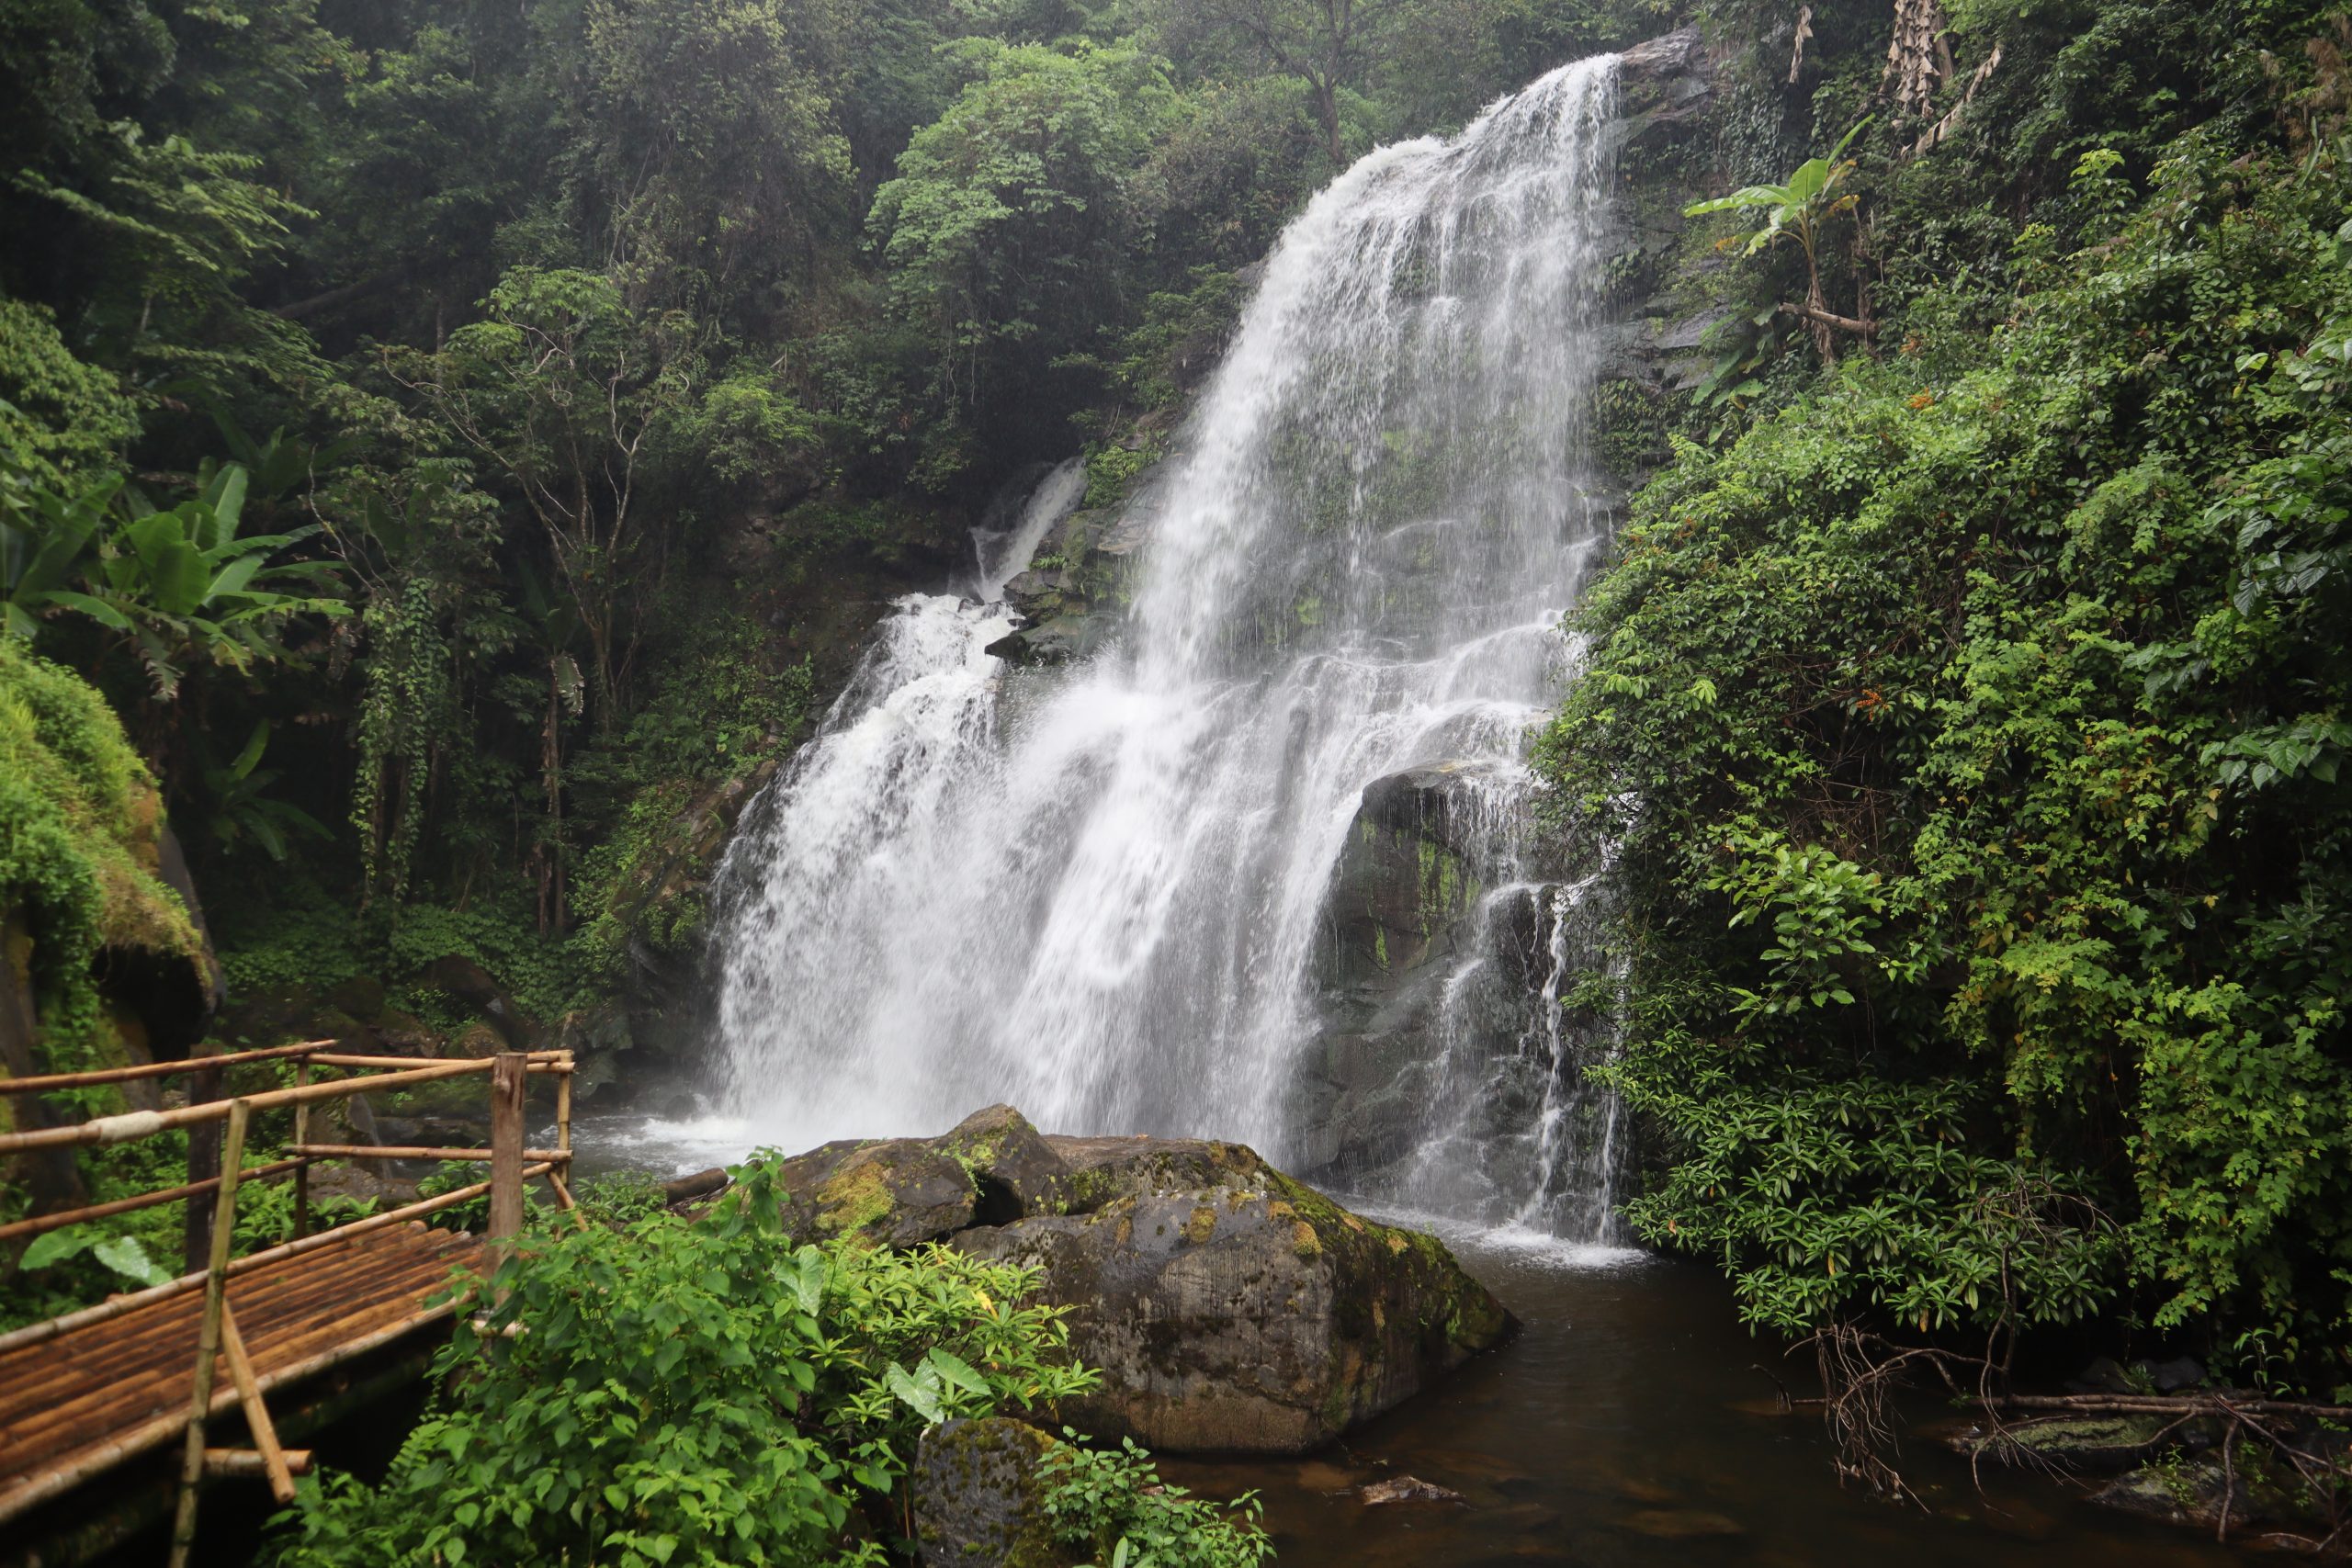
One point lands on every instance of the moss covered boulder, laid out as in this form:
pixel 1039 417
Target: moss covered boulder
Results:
pixel 991 1169
pixel 978 1497
pixel 1231 1309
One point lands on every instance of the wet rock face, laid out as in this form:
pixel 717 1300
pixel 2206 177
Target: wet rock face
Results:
pixel 1229 1308
pixel 1408 906
pixel 892 1193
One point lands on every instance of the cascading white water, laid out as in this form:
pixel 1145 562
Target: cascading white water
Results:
pixel 1098 892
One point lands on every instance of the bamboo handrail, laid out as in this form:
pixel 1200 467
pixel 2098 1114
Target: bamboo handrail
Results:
pixel 49 1081
pixel 540 1061
pixel 147 1124
pixel 321 1051
pixel 63 1217
pixel 402 1151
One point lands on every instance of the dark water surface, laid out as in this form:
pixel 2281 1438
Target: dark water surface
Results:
pixel 1626 1427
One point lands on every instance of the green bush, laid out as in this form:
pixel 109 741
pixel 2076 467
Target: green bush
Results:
pixel 697 1391
pixel 1970 732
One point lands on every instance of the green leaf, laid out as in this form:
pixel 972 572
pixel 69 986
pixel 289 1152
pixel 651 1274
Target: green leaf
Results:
pixel 126 1258
pixel 55 1246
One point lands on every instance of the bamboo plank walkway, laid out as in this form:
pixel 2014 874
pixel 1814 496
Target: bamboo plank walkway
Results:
pixel 94 1396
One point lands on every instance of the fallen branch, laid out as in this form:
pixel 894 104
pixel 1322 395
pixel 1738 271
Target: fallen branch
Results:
pixel 1830 318
pixel 2198 1403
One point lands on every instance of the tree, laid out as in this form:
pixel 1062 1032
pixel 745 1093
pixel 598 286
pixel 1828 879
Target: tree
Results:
pixel 572 394
pixel 1009 229
pixel 1326 44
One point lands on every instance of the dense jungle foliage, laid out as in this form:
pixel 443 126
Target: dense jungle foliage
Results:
pixel 1967 707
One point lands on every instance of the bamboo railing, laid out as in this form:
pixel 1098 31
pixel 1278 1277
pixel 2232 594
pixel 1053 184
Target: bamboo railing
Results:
pixel 218 1340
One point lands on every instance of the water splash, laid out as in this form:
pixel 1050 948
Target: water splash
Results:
pixel 1099 891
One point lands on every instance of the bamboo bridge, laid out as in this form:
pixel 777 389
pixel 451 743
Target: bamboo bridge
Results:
pixel 102 1388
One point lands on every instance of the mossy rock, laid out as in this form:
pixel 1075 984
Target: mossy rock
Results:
pixel 1232 1309
pixel 894 1192
pixel 978 1500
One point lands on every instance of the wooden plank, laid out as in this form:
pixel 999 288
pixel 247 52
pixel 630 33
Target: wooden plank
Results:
pixel 260 1293
pixel 106 1453
pixel 162 1337
pixel 35 1333
pixel 88 1435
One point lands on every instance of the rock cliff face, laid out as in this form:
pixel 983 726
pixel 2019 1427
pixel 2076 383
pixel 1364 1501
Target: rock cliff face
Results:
pixel 1229 1308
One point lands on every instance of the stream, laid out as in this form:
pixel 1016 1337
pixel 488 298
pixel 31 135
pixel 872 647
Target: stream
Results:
pixel 1628 1425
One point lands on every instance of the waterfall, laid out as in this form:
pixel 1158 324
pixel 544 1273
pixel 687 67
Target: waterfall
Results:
pixel 1101 892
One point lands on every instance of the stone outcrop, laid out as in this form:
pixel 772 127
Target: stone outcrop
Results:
pixel 1228 1307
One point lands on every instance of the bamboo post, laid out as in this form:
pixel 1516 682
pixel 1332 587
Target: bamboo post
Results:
pixel 208 1339
pixel 258 1421
pixel 301 1135
pixel 203 1165
pixel 563 1107
pixel 506 1084
pixel 561 1169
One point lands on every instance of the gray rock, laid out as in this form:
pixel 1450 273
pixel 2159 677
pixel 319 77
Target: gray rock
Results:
pixel 2178 1493
pixel 1405 1489
pixel 2104 1375
pixel 978 1497
pixel 1231 1309
pixel 1015 1173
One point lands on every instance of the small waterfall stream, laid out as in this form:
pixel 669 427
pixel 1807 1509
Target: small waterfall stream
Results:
pixel 1102 892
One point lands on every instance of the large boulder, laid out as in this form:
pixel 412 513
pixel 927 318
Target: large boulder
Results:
pixel 1230 1309
pixel 977 1491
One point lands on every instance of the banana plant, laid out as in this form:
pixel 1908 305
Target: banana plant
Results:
pixel 44 540
pixel 180 585
pixel 241 809
pixel 1799 211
